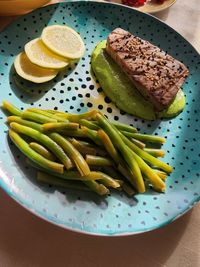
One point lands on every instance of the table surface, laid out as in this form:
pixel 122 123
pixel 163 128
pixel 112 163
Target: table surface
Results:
pixel 27 241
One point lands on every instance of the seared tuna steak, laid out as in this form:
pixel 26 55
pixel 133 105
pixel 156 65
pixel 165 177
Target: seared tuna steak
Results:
pixel 157 75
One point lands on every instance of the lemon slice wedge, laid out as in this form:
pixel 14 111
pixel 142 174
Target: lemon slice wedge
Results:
pixel 63 41
pixel 40 55
pixel 31 72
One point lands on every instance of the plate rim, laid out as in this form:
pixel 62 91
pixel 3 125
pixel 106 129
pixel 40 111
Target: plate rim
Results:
pixel 158 10
pixel 45 217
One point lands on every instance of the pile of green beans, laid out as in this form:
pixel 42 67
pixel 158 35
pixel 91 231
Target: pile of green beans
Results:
pixel 87 151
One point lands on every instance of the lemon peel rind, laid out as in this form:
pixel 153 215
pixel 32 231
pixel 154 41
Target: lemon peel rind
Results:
pixel 31 78
pixel 75 55
pixel 41 63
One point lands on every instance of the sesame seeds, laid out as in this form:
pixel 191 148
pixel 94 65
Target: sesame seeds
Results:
pixel 155 71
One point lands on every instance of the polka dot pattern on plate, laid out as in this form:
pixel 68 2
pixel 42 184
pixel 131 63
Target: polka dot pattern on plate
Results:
pixel 77 90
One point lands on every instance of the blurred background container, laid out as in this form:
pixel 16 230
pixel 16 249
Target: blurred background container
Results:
pixel 17 7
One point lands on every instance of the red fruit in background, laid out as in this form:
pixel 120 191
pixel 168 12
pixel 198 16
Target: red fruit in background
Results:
pixel 159 1
pixel 138 3
pixel 134 3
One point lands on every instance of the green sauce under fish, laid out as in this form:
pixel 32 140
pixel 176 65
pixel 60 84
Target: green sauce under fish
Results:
pixel 118 87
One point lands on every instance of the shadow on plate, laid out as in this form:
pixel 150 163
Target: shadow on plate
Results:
pixel 123 197
pixel 29 92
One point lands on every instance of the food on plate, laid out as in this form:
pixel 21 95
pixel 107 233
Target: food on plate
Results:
pixel 63 41
pixel 31 72
pixel 117 86
pixel 156 75
pixel 40 55
pixel 139 3
pixel 134 3
pixel 87 150
pixel 57 47
pixel 175 107
pixel 140 78
pixel 42 151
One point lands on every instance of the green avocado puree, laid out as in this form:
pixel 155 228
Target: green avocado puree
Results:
pixel 118 87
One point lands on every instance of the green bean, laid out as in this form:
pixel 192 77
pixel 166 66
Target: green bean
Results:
pixel 36 117
pixel 96 168
pixel 90 185
pixel 77 117
pixel 138 143
pixel 89 124
pixel 72 153
pixel 105 179
pixel 120 178
pixel 152 176
pixel 145 137
pixel 75 175
pixel 124 127
pixel 126 172
pixel 125 150
pixel 52 111
pixel 98 161
pixel 120 126
pixel 149 173
pixel 53 180
pixel 90 147
pixel 45 140
pixel 21 121
pixel 128 189
pixel 59 126
pixel 66 175
pixel 70 174
pixel 100 189
pixel 120 175
pixel 43 151
pixel 100 151
pixel 120 182
pixel 83 148
pixel 155 152
pixel 146 156
pixel 108 145
pixel 87 115
pixel 162 175
pixel 91 134
pixel 31 154
pixel 11 108
pixel 46 114
pixel 113 172
pixel 121 142
pixel 74 133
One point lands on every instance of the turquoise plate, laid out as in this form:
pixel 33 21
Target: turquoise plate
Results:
pixel 76 91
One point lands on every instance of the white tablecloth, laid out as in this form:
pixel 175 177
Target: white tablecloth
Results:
pixel 27 241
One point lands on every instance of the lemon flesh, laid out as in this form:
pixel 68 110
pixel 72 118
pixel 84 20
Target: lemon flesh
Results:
pixel 63 41
pixel 31 72
pixel 40 55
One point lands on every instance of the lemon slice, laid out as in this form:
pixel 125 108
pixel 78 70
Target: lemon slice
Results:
pixel 31 72
pixel 63 41
pixel 40 55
